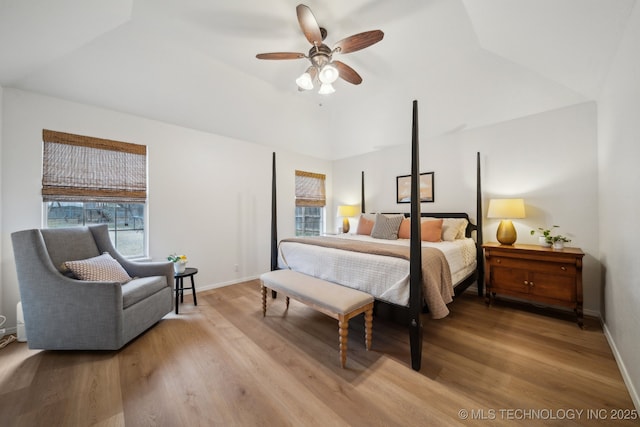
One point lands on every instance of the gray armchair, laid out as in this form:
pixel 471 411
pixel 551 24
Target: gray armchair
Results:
pixel 63 313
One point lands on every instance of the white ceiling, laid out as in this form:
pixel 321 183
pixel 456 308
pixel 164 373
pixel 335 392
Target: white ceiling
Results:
pixel 192 63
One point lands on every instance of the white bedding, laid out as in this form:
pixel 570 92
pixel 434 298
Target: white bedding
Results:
pixel 384 277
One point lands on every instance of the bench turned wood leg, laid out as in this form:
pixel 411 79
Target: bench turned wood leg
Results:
pixel 368 327
pixel 264 300
pixel 343 331
pixel 287 301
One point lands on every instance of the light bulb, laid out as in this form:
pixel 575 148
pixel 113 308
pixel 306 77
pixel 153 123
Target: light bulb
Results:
pixel 328 74
pixel 304 81
pixel 326 89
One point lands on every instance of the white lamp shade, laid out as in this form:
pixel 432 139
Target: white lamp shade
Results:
pixel 328 74
pixel 326 89
pixel 506 208
pixel 305 82
pixel 347 211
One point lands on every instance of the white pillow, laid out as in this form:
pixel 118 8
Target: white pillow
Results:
pixel 102 268
pixel 459 223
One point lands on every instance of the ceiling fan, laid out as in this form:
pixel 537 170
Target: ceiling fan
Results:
pixel 323 66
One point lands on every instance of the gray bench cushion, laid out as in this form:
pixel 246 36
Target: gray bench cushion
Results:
pixel 330 296
pixel 141 288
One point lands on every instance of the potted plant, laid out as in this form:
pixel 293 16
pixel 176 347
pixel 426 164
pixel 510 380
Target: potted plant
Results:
pixel 179 262
pixel 545 239
pixel 558 241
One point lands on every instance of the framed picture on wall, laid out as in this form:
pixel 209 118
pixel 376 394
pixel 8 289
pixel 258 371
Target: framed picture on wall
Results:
pixel 403 188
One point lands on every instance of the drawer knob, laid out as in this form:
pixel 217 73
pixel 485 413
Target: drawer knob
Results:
pixel 531 284
pixel 563 268
pixel 526 283
pixel 498 261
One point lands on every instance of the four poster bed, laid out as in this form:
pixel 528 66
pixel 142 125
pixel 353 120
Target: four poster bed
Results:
pixel 405 275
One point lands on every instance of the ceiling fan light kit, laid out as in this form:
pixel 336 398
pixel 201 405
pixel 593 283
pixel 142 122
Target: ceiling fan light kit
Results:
pixel 323 67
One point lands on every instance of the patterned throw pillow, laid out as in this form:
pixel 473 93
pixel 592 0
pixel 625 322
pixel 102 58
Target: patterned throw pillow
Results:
pixel 102 268
pixel 386 227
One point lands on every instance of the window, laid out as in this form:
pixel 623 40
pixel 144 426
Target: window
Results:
pixel 125 221
pixel 88 180
pixel 310 202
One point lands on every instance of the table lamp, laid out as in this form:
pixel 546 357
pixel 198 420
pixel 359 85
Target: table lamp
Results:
pixel 506 209
pixel 346 211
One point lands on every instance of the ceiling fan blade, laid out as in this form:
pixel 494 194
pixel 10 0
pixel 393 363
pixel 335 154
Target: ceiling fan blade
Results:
pixel 359 41
pixel 347 73
pixel 309 25
pixel 280 55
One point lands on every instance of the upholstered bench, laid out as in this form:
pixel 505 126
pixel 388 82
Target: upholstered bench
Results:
pixel 339 302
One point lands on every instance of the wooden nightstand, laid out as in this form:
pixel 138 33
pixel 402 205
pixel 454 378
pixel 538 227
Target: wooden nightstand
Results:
pixel 535 273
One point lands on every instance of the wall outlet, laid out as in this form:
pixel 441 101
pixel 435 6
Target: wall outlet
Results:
pixel 2 332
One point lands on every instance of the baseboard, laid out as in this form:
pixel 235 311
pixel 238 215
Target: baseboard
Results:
pixel 623 369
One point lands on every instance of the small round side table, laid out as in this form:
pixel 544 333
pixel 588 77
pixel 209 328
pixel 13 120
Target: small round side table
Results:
pixel 179 285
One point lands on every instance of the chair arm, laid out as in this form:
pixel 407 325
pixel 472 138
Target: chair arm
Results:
pixel 146 269
pixel 75 314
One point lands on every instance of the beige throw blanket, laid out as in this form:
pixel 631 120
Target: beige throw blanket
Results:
pixel 436 277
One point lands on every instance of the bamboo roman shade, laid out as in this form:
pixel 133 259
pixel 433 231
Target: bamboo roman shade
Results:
pixel 82 169
pixel 310 189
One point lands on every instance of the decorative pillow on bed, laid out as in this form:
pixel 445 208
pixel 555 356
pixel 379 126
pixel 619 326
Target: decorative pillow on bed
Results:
pixel 386 227
pixel 457 224
pixel 404 232
pixel 449 231
pixel 431 231
pixel 102 268
pixel 365 226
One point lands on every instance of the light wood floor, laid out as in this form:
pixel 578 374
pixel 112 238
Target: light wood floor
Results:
pixel 222 364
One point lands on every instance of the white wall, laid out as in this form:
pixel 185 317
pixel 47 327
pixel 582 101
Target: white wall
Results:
pixel 619 181
pixel 209 195
pixel 548 159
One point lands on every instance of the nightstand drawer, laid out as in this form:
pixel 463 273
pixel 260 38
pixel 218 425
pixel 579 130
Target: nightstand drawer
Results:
pixel 558 268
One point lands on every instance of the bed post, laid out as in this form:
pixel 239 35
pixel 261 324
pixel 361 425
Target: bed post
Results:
pixel 274 221
pixel 415 254
pixel 274 218
pixel 479 241
pixel 362 195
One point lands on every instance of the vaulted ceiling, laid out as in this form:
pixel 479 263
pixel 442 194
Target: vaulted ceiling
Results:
pixel 192 63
